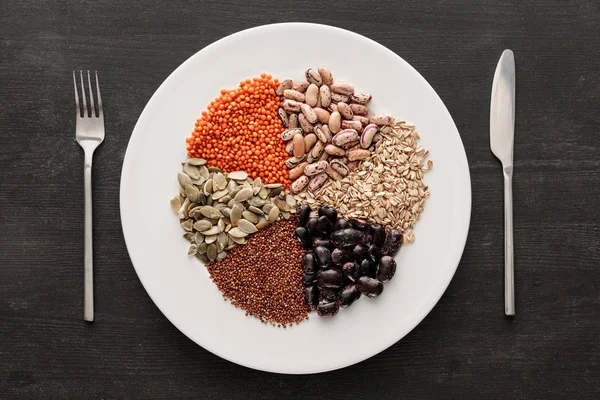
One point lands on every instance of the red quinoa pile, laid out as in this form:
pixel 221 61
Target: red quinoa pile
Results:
pixel 264 277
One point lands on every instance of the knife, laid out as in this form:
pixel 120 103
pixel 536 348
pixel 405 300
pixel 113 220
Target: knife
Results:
pixel 502 133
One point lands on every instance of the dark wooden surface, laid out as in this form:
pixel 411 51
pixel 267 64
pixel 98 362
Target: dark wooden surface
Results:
pixel 464 349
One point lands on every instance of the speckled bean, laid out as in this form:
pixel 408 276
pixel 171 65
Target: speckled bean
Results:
pixel 313 77
pixel 364 121
pixel 299 148
pixel 339 167
pixel 333 174
pixel 306 126
pixel 290 133
pixel 309 113
pixel 343 138
pixel 334 150
pixel 335 122
pixel 322 115
pixel 356 125
pixel 337 97
pixel 359 109
pixel 381 119
pixel 300 184
pixel 289 148
pixel 316 168
pixel 325 96
pixel 309 141
pixel 283 117
pixel 312 95
pixel 366 138
pixel 342 87
pixel 293 95
pixel 300 86
pixel 317 181
pixel 323 134
pixel 297 171
pixel 293 121
pixel 325 75
pixel 291 106
pixel 345 110
pixel 361 97
pixel 358 154
pixel 286 84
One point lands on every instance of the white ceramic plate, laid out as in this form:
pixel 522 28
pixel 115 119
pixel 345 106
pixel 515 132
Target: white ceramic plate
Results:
pixel 180 285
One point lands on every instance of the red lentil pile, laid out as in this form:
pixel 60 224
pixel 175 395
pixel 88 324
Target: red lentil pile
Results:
pixel 240 131
pixel 264 277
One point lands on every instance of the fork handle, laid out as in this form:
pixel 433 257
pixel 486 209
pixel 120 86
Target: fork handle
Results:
pixel 88 302
pixel 509 268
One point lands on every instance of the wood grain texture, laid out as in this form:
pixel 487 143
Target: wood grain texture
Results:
pixel 464 349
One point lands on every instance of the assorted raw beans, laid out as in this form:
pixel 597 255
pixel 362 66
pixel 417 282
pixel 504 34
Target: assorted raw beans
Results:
pixel 272 201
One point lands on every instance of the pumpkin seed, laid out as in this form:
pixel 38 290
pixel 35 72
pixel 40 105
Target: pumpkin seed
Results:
pixel 189 236
pixel 220 194
pixel 202 257
pixel 246 226
pixel 275 191
pixel 192 192
pixel 226 212
pixel 199 182
pixel 238 175
pixel 220 181
pixel 202 248
pixel 263 193
pixel 192 250
pixel 222 239
pixel 210 239
pixel 202 225
pixel 267 207
pixel 184 210
pixel 237 233
pixel 286 214
pixel 239 240
pixel 196 161
pixel 290 200
pixel 243 194
pixel 191 171
pixel 211 252
pixel 250 216
pixel 211 232
pixel 273 214
pixel 274 185
pixel 209 201
pixel 236 214
pixel 203 171
pixel 210 212
pixel 262 225
pixel 221 225
pixel 221 255
pixel 283 206
pixel 214 169
pixel 256 210
pixel 184 179
pixel 176 204
pixel 225 199
pixel 208 187
pixel 198 238
pixel 257 182
pixel 187 225
pixel 257 202
pixel 232 185
pixel 228 227
pixel 233 246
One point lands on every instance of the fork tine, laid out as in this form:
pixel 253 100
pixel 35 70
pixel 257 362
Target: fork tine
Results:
pixel 77 108
pixel 100 114
pixel 85 109
pixel 92 106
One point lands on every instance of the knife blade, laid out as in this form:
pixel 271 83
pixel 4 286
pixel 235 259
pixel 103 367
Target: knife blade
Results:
pixel 502 132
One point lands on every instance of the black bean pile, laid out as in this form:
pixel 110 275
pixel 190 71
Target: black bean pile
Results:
pixel 343 259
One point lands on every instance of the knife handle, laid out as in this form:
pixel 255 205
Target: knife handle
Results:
pixel 509 268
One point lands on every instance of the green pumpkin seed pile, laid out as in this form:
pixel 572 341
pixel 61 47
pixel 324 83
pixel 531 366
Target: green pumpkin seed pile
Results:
pixel 218 211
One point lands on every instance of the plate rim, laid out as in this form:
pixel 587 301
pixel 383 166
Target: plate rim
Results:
pixel 462 159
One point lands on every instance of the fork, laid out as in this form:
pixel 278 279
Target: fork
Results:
pixel 89 133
